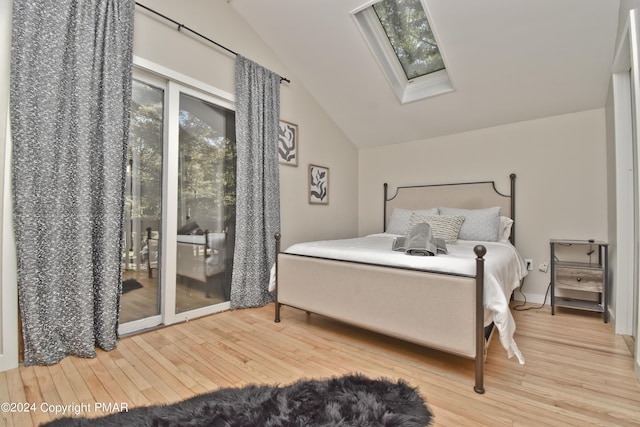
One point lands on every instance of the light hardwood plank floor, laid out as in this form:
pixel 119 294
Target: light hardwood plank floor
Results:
pixel 577 372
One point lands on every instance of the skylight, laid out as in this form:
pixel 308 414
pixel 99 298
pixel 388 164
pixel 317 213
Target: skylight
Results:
pixel 403 42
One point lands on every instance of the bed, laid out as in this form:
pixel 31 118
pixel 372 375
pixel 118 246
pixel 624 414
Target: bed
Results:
pixel 446 302
pixel 200 254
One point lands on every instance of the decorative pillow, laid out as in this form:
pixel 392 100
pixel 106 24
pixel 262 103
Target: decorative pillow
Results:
pixel 505 228
pixel 479 224
pixel 399 221
pixel 190 227
pixel 445 227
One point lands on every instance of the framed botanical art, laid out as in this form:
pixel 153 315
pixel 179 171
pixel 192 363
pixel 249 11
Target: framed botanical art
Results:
pixel 288 144
pixel 318 184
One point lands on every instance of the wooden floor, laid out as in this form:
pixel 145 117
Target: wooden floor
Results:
pixel 577 372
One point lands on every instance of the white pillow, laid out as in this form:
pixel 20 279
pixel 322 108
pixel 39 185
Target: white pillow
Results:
pixel 506 224
pixel 442 226
pixel 479 224
pixel 399 221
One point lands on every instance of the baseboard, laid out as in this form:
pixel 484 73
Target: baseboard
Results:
pixel 530 298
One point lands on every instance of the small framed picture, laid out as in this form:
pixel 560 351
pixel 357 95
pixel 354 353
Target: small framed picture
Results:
pixel 288 144
pixel 318 184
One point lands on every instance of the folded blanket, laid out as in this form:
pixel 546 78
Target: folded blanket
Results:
pixel 420 241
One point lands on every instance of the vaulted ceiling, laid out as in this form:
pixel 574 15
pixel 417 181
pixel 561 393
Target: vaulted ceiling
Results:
pixel 509 61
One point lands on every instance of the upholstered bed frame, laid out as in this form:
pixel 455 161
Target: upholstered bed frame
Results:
pixel 438 310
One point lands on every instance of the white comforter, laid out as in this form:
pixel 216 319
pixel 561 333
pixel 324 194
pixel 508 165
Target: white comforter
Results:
pixel 504 269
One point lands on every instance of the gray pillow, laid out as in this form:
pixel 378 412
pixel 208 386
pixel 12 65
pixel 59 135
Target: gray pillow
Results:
pixel 479 224
pixel 399 221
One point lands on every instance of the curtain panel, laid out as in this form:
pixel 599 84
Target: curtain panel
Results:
pixel 70 102
pixel 257 182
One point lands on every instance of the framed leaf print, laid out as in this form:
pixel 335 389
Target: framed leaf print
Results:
pixel 288 144
pixel 318 184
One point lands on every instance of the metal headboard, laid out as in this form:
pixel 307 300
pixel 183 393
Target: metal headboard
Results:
pixel 463 195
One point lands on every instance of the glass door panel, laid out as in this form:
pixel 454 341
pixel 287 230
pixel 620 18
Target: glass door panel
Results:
pixel 205 205
pixel 143 206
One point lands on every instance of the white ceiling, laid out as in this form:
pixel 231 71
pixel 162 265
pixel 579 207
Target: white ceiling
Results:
pixel 509 61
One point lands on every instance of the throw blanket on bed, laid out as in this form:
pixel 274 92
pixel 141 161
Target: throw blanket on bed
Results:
pixel 420 241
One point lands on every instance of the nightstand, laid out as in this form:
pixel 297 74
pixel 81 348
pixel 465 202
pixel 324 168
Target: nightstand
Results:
pixel 579 275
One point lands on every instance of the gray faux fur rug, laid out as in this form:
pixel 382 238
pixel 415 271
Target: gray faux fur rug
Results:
pixel 345 401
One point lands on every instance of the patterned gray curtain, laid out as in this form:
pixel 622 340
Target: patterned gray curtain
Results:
pixel 257 182
pixel 70 99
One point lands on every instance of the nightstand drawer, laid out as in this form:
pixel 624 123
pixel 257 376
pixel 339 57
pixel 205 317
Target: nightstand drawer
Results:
pixel 580 279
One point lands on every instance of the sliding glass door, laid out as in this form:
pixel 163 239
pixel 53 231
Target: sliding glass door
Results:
pixel 141 267
pixel 205 205
pixel 180 204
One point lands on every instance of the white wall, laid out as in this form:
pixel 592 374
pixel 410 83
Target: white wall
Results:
pixel 560 163
pixel 321 141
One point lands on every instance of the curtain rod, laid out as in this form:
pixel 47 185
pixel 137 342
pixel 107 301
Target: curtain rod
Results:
pixel 181 26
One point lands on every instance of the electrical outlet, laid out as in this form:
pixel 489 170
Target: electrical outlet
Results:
pixel 544 266
pixel 529 263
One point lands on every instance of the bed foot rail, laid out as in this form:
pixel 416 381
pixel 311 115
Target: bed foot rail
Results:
pixel 277 314
pixel 480 252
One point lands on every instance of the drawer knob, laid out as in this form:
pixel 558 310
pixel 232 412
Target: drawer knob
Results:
pixel 579 279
